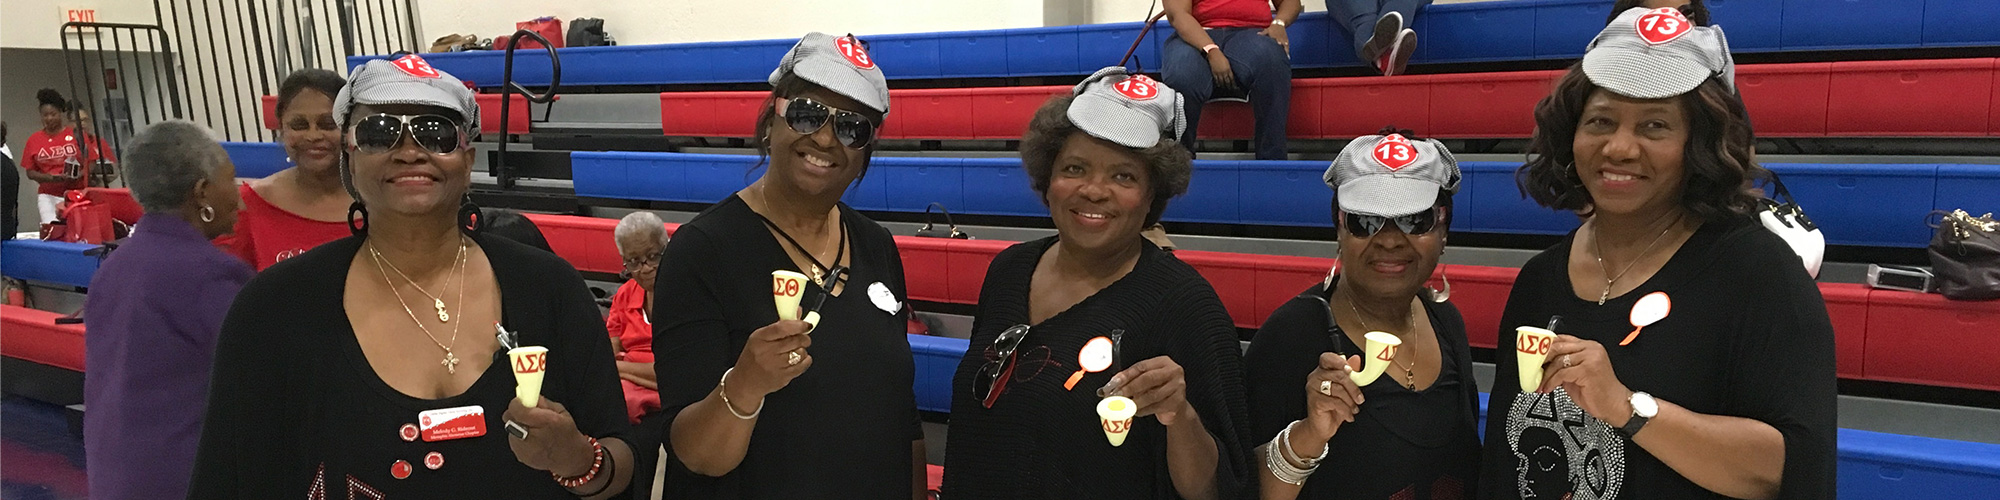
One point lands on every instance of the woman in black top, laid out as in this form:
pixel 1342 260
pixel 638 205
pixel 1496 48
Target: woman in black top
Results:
pixel 1732 393
pixel 1023 421
pixel 760 408
pixel 1419 437
pixel 334 377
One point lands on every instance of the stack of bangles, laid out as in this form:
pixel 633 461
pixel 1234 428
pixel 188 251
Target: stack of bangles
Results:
pixel 1279 456
pixel 597 464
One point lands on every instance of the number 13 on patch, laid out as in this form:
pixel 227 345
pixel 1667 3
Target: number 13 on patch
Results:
pixel 1662 25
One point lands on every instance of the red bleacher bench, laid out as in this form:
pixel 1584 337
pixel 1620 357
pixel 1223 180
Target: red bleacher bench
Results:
pixel 1922 338
pixel 33 335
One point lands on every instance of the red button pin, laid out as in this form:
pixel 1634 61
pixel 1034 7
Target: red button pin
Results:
pixel 434 461
pixel 400 470
pixel 1663 25
pixel 408 432
pixel 1138 88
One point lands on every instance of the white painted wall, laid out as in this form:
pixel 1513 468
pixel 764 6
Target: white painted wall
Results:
pixel 36 24
pixel 635 22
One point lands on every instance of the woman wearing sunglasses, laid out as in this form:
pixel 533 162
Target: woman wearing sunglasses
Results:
pixel 1409 433
pixel 1694 357
pixel 370 364
pixel 305 205
pixel 757 407
pixel 1096 311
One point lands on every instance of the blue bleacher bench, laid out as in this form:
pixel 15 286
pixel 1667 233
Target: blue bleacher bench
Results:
pixel 58 262
pixel 1510 30
pixel 255 160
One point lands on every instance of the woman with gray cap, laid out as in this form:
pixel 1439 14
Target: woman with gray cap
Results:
pixel 1417 438
pixel 334 373
pixel 757 408
pixel 1693 357
pixel 1066 323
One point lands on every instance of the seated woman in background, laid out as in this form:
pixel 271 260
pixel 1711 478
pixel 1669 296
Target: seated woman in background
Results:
pixel 1694 357
pixel 1105 161
pixel 156 306
pixel 1417 438
pixel 302 206
pixel 641 237
pixel 377 405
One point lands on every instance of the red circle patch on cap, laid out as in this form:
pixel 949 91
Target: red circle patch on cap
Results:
pixel 1138 88
pixel 1663 25
pixel 408 432
pixel 854 52
pixel 416 66
pixel 1395 152
pixel 434 461
pixel 400 470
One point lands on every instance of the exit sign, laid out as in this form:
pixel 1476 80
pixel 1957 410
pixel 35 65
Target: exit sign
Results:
pixel 70 15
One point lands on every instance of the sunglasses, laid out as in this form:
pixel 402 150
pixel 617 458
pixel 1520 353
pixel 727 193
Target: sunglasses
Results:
pixel 1365 226
pixel 382 133
pixel 1004 365
pixel 806 116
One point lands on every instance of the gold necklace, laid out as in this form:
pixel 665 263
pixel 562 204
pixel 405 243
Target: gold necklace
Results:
pixel 1598 242
pixel 1409 372
pixel 444 316
pixel 450 361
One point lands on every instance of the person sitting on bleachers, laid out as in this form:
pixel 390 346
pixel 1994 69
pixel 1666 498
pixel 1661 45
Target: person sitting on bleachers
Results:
pixel 758 408
pixel 1232 47
pixel 1105 162
pixel 1694 357
pixel 640 237
pixel 302 206
pixel 1417 439
pixel 377 405
pixel 156 306
pixel 1695 10
pixel 1380 29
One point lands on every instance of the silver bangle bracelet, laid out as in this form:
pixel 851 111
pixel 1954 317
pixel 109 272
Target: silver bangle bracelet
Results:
pixel 722 388
pixel 1294 454
pixel 1281 468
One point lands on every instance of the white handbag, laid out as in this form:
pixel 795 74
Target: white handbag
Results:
pixel 1790 223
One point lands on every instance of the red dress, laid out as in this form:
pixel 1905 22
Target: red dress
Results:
pixel 631 324
pixel 266 234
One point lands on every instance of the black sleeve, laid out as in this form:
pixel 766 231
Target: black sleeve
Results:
pixel 1496 475
pixel 1211 360
pixel 595 398
pixel 1275 367
pixel 240 454
pixel 691 345
pixel 1782 365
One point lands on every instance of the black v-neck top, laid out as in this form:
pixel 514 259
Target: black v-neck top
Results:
pixel 1747 336
pixel 1403 444
pixel 843 428
pixel 1040 440
pixel 295 408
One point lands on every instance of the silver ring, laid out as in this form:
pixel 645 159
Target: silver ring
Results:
pixel 792 358
pixel 1568 362
pixel 516 430
pixel 1326 388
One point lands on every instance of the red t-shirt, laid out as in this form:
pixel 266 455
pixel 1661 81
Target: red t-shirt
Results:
pixel 52 154
pixel 1233 13
pixel 628 322
pixel 266 234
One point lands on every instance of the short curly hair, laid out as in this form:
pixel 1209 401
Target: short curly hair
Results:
pixel 1169 165
pixel 1720 156
pixel 324 81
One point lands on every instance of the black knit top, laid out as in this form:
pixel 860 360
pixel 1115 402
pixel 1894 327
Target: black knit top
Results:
pixel 1040 440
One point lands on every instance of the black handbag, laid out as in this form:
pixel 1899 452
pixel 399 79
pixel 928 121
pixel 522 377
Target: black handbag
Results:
pixel 586 32
pixel 930 230
pixel 1965 256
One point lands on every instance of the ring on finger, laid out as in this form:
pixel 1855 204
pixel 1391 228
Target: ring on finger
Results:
pixel 792 358
pixel 1326 388
pixel 1568 362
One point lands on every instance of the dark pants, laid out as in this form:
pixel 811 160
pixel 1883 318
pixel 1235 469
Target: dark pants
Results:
pixel 1259 65
pixel 648 436
pixel 1358 17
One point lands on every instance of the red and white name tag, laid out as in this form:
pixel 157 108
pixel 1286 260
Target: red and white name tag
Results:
pixel 1138 88
pixel 452 423
pixel 1663 25
pixel 1394 152
pixel 415 66
pixel 854 52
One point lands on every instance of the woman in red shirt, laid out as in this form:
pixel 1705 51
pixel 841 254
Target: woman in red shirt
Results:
pixel 305 205
pixel 52 155
pixel 641 239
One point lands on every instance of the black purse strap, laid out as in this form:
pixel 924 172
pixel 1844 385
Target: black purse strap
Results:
pixel 1788 210
pixel 929 228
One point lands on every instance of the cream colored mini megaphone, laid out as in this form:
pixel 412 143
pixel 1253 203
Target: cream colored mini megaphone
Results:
pixel 1381 352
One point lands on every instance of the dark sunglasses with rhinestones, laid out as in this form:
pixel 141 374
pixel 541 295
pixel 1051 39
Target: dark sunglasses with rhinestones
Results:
pixel 1365 226
pixel 807 116
pixel 382 133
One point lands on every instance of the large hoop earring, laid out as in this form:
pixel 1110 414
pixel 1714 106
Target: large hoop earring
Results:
pixel 207 213
pixel 1441 295
pixel 469 216
pixel 357 218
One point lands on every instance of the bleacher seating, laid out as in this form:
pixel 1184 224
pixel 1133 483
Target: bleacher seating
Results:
pixel 1514 30
pixel 33 335
pixel 58 262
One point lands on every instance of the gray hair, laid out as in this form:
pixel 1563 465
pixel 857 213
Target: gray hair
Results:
pixel 640 225
pixel 166 160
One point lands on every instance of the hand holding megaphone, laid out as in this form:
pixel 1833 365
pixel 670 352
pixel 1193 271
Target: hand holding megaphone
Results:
pixel 1381 350
pixel 1332 399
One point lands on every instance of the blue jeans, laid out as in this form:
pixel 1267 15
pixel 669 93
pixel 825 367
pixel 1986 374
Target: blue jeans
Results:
pixel 1259 65
pixel 1358 17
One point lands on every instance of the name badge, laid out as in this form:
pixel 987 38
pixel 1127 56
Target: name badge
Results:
pixel 452 423
pixel 883 298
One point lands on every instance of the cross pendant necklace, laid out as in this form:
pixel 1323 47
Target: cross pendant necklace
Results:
pixel 450 361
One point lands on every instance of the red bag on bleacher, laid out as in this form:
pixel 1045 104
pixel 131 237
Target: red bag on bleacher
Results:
pixel 548 27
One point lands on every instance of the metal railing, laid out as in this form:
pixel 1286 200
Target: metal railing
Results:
pixel 123 77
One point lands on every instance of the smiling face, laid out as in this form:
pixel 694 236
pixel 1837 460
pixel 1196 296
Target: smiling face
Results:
pixel 1389 263
pixel 816 164
pixel 309 132
pixel 52 118
pixel 1099 193
pixel 407 179
pixel 1629 153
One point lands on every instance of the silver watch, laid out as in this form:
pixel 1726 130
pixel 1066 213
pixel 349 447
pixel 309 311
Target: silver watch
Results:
pixel 1644 407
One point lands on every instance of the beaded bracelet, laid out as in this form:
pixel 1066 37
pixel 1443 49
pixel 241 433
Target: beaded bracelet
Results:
pixel 596 464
